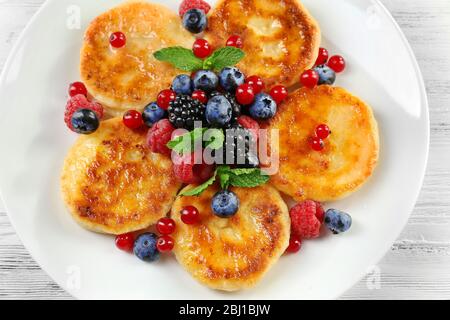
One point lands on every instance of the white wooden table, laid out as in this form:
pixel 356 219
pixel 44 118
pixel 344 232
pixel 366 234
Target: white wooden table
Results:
pixel 418 264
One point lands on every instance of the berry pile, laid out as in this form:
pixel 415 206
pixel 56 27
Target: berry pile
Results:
pixel 324 71
pixel 148 246
pixel 307 219
pixel 221 98
pixel 226 100
pixel 82 115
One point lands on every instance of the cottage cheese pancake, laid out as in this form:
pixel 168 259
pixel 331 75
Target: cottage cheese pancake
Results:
pixel 235 253
pixel 350 154
pixel 130 77
pixel 280 38
pixel 113 184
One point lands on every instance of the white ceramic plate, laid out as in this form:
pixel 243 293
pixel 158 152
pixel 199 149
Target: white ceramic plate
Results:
pixel 33 139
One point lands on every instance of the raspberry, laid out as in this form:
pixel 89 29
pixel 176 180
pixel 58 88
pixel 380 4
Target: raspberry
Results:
pixel 158 137
pixel 250 124
pixel 187 5
pixel 190 173
pixel 80 102
pixel 307 218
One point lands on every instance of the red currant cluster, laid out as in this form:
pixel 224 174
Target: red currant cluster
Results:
pixel 311 78
pixel 322 132
pixel 165 243
pixel 166 227
pixel 133 119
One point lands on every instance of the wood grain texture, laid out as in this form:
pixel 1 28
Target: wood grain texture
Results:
pixel 418 263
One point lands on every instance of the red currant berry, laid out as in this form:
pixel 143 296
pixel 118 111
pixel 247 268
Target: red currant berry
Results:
pixel 235 41
pixel 309 79
pixel 201 48
pixel 200 96
pixel 257 83
pixel 77 88
pixel 245 94
pixel 133 119
pixel 190 215
pixel 125 242
pixel 165 243
pixel 317 144
pixel 165 97
pixel 322 58
pixel 279 94
pixel 118 40
pixel 337 63
pixel 166 226
pixel 323 131
pixel 295 244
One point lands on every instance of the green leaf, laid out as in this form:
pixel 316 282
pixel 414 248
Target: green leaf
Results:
pixel 218 139
pixel 181 58
pixel 224 173
pixel 224 57
pixel 186 143
pixel 201 188
pixel 239 171
pixel 248 178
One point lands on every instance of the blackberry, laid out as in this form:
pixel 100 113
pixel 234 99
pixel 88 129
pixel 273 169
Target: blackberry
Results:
pixel 237 108
pixel 184 111
pixel 237 148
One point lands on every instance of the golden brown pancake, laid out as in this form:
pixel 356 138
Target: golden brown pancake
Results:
pixel 281 39
pixel 130 77
pixel 113 184
pixel 235 253
pixel 350 154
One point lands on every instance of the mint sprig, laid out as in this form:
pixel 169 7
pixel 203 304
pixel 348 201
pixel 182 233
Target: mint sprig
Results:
pixel 181 58
pixel 201 188
pixel 243 178
pixel 185 144
pixel 184 59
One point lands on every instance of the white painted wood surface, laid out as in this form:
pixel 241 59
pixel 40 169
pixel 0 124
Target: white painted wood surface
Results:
pixel 418 264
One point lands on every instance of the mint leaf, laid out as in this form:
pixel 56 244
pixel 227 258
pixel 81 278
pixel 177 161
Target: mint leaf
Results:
pixel 201 188
pixel 218 138
pixel 224 176
pixel 186 143
pixel 224 57
pixel 181 58
pixel 248 178
pixel 239 172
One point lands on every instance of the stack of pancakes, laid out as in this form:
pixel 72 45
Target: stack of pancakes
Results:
pixel 113 184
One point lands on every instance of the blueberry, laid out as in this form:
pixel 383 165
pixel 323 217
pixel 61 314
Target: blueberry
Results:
pixel 145 247
pixel 195 21
pixel 182 84
pixel 152 114
pixel 219 111
pixel 231 78
pixel 264 107
pixel 205 80
pixel 225 204
pixel 326 74
pixel 85 121
pixel 338 221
